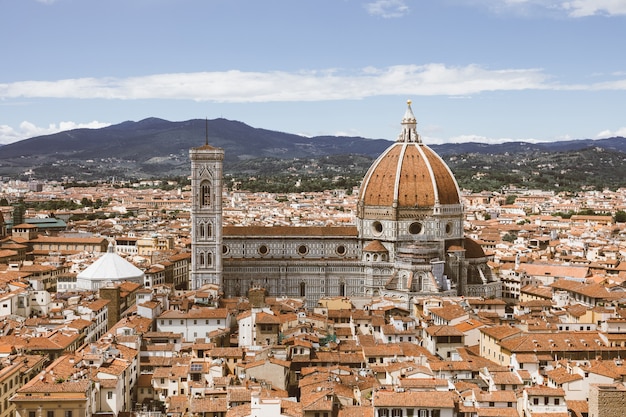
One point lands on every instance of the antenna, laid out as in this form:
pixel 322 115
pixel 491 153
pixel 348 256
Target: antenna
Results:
pixel 206 129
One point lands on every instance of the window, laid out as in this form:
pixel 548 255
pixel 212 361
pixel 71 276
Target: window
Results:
pixel 556 401
pixel 383 412
pixel 109 395
pixel 50 413
pixel 536 401
pixel 396 412
pixel 31 414
pixel 205 194
pixel 68 413
pixel 415 228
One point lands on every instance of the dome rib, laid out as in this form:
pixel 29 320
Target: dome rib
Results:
pixel 447 187
pixel 433 179
pixel 398 178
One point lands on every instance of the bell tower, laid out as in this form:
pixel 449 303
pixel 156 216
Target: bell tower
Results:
pixel 206 215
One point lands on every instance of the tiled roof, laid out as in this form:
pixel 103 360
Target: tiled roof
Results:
pixel 414 399
pixel 196 313
pixel 443 331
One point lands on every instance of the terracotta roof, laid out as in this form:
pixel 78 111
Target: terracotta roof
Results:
pixel 427 399
pixel 196 313
pixel 375 246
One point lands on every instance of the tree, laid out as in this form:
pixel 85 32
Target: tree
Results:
pixel 510 237
pixel 510 199
pixel 620 216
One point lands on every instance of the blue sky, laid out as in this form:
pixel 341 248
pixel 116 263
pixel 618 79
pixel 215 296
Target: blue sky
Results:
pixel 484 70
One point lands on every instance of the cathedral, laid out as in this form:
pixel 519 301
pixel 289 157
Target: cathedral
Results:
pixel 407 241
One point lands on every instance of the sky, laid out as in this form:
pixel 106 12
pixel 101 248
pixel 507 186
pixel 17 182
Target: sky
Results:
pixel 475 70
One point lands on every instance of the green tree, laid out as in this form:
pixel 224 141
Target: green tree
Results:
pixel 620 216
pixel 509 237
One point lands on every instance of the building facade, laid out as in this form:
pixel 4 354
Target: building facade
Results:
pixel 407 241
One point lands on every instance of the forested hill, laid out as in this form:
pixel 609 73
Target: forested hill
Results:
pixel 156 148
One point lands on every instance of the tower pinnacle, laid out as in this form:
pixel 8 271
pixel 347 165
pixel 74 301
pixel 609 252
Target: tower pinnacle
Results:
pixel 409 126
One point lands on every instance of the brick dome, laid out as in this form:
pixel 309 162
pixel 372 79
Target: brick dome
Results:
pixel 409 174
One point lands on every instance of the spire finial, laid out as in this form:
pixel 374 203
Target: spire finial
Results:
pixel 409 126
pixel 206 130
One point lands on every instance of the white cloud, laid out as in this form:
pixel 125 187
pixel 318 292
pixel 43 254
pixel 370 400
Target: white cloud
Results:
pixel 583 8
pixel 572 8
pixel 610 134
pixel 387 8
pixel 241 87
pixel 29 130
pixel 247 87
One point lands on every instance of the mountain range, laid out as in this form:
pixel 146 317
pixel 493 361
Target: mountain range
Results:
pixel 159 148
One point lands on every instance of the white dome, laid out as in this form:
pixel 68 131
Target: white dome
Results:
pixel 109 267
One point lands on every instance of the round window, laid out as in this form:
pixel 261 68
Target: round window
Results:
pixel 341 250
pixel 415 228
pixel 224 249
pixel 263 250
pixel 302 250
pixel 377 228
pixel 448 228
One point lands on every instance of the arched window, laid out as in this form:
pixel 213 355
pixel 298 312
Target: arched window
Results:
pixel 201 227
pixel 209 259
pixel 302 289
pixel 205 194
pixel 342 289
pixel 201 259
pixel 209 230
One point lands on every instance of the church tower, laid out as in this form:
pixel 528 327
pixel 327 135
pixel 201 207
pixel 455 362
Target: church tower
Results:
pixel 206 215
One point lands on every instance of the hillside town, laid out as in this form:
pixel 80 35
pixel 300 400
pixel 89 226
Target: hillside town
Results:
pixel 143 343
